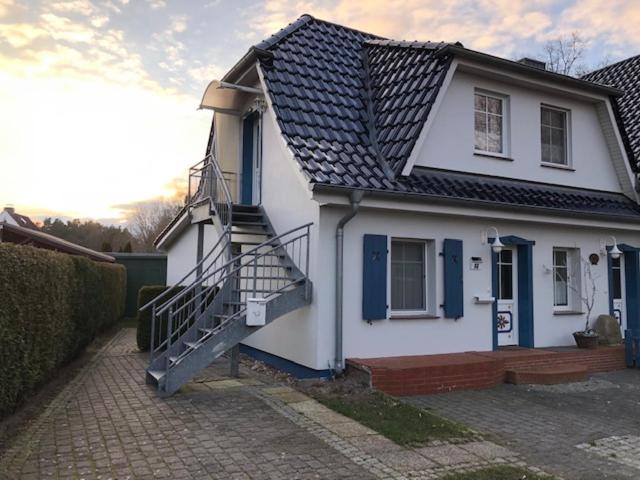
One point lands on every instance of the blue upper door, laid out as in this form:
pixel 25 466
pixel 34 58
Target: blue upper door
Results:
pixel 250 178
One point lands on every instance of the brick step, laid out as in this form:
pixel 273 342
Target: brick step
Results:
pixel 549 375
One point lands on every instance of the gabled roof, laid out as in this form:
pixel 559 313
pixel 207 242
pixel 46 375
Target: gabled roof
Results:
pixel 350 104
pixel 21 220
pixel 625 75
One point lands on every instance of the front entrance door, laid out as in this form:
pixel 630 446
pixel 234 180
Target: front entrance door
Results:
pixel 250 178
pixel 618 293
pixel 507 312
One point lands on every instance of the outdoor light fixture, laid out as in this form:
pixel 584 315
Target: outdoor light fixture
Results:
pixel 615 252
pixel 496 244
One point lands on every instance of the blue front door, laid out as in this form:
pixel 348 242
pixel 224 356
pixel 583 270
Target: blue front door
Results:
pixel 249 154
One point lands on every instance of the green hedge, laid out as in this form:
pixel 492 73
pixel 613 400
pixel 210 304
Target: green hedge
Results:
pixel 51 306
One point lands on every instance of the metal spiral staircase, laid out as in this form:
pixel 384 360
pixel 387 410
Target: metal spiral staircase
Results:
pixel 204 315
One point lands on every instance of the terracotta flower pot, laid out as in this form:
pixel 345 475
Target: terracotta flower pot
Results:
pixel 584 340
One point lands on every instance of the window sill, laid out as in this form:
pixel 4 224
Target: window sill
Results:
pixel 567 312
pixel 413 316
pixel 558 166
pixel 495 156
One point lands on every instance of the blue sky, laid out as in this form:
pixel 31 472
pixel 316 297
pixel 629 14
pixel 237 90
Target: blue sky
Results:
pixel 99 97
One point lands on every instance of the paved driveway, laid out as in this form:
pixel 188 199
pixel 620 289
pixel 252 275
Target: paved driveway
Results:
pixel 106 424
pixel 582 431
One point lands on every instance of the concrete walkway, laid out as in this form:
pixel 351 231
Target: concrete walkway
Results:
pixel 108 424
pixel 580 431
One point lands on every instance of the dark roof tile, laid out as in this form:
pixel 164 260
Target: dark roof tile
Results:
pixel 351 107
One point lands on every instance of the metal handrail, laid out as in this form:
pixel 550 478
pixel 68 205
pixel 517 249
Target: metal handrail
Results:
pixel 231 269
pixel 249 252
pixel 191 272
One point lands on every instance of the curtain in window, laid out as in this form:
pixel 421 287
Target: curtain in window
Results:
pixel 407 276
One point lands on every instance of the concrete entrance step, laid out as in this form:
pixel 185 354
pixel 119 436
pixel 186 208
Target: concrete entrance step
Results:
pixel 548 375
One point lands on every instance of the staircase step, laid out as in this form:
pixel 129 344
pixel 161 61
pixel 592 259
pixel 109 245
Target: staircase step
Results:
pixel 245 208
pixel 251 277
pixel 173 359
pixel 548 375
pixel 242 242
pixel 192 345
pixel 242 223
pixel 250 232
pixel 206 331
pixel 157 374
pixel 247 214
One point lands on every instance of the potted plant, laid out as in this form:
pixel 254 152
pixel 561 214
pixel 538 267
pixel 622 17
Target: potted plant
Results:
pixel 587 338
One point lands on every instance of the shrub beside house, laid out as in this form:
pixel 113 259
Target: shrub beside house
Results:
pixel 52 305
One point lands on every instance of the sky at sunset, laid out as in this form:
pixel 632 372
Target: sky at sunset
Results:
pixel 98 98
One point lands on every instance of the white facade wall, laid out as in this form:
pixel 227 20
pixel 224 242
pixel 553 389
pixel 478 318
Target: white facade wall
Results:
pixel 287 200
pixel 182 252
pixel 474 331
pixel 449 143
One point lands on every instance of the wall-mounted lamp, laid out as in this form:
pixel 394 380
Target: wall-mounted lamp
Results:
pixel 496 244
pixel 615 252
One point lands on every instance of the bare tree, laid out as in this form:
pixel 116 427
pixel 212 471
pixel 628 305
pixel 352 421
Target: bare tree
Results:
pixel 147 219
pixel 564 53
pixel 587 295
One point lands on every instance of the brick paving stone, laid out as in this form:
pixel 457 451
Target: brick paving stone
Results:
pixel 549 426
pixel 108 423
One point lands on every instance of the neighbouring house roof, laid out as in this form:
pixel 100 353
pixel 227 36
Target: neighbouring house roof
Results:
pixel 625 75
pixel 27 236
pixel 20 220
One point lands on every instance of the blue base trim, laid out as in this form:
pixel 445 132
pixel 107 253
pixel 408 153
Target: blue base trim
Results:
pixel 292 368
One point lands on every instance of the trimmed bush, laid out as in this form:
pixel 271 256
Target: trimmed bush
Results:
pixel 51 306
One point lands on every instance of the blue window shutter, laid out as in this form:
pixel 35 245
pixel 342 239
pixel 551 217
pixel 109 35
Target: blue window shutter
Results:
pixel 632 289
pixel 453 291
pixel 374 278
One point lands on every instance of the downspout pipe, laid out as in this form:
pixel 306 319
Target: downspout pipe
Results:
pixel 354 199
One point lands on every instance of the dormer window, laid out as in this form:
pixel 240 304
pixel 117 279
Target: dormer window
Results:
pixel 554 136
pixel 490 113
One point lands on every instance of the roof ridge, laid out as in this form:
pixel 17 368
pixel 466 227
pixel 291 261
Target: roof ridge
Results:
pixel 275 38
pixel 409 43
pixel 371 119
pixel 301 21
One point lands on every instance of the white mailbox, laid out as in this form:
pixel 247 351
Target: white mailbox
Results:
pixel 256 312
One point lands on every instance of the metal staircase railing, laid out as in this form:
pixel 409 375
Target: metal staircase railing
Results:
pixel 207 183
pixel 197 291
pixel 265 271
pixel 211 309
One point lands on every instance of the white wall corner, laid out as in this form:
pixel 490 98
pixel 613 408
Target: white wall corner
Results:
pixel 417 148
pixel 616 148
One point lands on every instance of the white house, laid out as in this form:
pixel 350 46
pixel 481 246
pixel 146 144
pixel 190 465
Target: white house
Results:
pixel 413 162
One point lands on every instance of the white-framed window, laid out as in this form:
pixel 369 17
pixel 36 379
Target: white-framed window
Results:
pixel 616 274
pixel 490 123
pixel 408 275
pixel 566 276
pixel 505 274
pixel 554 135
